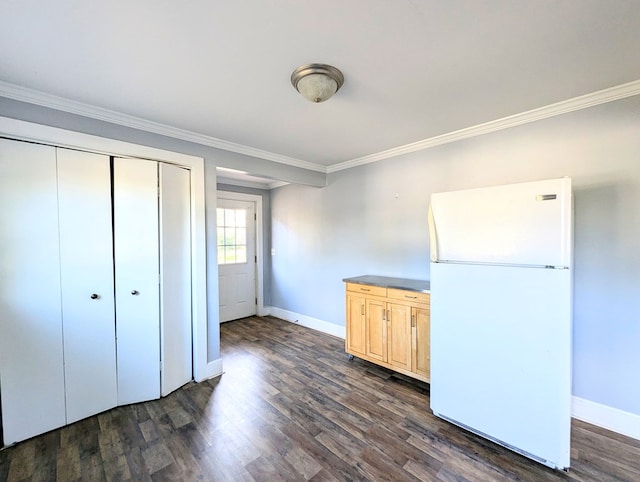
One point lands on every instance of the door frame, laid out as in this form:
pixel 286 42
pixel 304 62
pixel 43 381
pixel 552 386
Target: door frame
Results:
pixel 28 131
pixel 257 200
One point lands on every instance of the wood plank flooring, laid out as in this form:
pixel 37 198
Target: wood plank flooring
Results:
pixel 291 406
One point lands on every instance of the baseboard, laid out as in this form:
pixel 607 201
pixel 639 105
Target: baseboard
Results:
pixel 308 321
pixel 614 419
pixel 213 369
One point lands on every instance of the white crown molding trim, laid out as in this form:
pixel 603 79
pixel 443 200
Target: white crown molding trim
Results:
pixel 31 96
pixel 256 185
pixel 277 184
pixel 577 103
pixel 241 183
pixel 309 322
pixel 614 419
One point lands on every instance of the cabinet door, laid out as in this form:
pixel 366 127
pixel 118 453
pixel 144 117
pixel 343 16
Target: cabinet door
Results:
pixel 175 277
pixel 86 263
pixel 421 345
pixel 356 328
pixel 376 329
pixel 31 359
pixel 399 335
pixel 135 200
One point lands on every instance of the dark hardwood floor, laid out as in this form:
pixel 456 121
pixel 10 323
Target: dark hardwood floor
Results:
pixel 291 406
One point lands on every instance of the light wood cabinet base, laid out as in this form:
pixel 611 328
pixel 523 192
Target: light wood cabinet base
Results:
pixel 389 327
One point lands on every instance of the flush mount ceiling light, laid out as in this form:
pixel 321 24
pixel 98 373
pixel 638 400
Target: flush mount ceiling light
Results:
pixel 317 82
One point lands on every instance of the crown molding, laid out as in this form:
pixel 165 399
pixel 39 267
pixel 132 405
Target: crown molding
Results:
pixel 577 103
pixel 255 185
pixel 31 96
pixel 36 97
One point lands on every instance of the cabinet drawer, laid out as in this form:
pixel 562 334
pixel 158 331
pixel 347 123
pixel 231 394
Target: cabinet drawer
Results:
pixel 409 296
pixel 367 289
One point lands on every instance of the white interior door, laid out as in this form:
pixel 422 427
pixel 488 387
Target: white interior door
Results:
pixel 236 238
pixel 135 199
pixel 86 260
pixel 175 277
pixel 31 358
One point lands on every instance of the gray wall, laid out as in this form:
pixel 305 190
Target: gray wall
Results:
pixel 357 225
pixel 266 232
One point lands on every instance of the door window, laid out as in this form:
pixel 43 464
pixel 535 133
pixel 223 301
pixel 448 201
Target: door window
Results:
pixel 232 236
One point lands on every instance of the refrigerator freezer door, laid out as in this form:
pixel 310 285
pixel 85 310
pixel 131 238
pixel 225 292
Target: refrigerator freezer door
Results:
pixel 501 355
pixel 522 224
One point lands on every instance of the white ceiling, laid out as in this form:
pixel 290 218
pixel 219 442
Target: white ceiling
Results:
pixel 414 69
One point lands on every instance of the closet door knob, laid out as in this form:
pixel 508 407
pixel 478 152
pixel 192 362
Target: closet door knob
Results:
pixel 94 296
pixel 135 292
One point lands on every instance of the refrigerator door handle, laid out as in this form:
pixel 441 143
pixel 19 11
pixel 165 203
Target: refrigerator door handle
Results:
pixel 433 239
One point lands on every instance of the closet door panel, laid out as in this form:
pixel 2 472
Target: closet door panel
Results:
pixel 135 199
pixel 175 277
pixel 31 358
pixel 86 257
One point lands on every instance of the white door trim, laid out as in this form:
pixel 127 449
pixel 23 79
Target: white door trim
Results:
pixel 239 196
pixel 28 131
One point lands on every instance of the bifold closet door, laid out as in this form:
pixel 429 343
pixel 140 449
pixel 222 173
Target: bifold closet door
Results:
pixel 175 276
pixel 86 262
pixel 137 279
pixel 31 350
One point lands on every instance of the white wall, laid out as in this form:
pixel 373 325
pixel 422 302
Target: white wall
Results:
pixel 356 225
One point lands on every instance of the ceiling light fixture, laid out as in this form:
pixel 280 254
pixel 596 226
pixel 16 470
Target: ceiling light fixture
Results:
pixel 317 82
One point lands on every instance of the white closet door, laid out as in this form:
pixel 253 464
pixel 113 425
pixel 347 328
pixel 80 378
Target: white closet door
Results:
pixel 135 200
pixel 31 359
pixel 175 277
pixel 86 259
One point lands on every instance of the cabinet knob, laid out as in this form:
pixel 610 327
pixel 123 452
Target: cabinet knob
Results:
pixel 135 292
pixel 94 296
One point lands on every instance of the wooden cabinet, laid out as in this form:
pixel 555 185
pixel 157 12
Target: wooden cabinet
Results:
pixel 421 359
pixel 376 329
pixel 356 330
pixel 390 327
pixel 399 339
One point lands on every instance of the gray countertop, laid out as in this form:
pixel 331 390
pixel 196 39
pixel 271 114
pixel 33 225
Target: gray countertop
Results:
pixel 421 286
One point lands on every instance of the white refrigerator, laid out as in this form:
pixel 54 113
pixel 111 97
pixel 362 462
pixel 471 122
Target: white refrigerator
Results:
pixel 501 314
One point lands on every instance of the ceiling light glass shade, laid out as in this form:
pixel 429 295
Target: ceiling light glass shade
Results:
pixel 317 87
pixel 317 82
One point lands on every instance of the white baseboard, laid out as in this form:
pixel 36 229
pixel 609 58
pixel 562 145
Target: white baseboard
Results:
pixel 212 370
pixel 625 423
pixel 308 321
